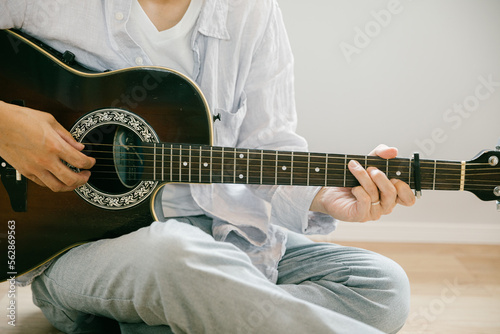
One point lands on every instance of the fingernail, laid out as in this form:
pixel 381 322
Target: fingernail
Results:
pixel 354 163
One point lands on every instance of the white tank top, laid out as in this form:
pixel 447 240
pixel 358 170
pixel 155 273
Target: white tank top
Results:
pixel 169 48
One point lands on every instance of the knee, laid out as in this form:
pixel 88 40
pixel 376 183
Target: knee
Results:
pixel 391 295
pixel 360 284
pixel 398 303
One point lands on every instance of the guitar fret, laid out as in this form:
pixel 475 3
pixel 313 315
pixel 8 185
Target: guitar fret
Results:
pixel 189 163
pixel 326 170
pixel 308 167
pixel 345 169
pixel 253 167
pixel 248 165
pixel 276 169
pixel 180 163
pixel 261 164
pixel 200 163
pixel 317 169
pixel 434 177
pixel 282 167
pixel 462 175
pixel 163 162
pixel 171 161
pixel 154 161
pixel 205 164
pixel 218 163
pixel 211 163
pixel 234 176
pixel 291 170
pixel 227 165
pixel 241 173
pixel 387 168
pixel 222 167
pixel 298 167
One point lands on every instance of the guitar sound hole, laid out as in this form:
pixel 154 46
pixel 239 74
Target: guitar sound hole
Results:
pixel 119 159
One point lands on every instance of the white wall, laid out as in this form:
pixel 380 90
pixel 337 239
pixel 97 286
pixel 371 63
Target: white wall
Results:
pixel 396 85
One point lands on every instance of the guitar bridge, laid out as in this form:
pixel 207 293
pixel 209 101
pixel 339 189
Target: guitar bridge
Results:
pixel 16 186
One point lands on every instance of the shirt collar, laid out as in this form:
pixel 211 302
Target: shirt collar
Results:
pixel 213 19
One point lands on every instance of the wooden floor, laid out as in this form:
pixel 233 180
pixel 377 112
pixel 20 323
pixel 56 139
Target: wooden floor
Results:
pixel 455 289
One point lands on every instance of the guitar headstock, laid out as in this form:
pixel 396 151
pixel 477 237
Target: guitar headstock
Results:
pixel 482 176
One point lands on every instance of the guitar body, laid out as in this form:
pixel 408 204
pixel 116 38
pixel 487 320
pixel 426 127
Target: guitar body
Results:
pixel 94 106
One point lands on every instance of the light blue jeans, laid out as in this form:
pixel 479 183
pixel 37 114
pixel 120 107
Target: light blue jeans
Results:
pixel 173 277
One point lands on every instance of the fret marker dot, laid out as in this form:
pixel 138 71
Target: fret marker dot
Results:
pixel 184 164
pixel 205 164
pixel 284 167
pixel 242 156
pixel 241 176
pixel 398 173
pixel 316 169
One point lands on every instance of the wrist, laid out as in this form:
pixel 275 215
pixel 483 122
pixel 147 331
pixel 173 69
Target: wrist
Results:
pixel 317 202
pixel 4 115
pixel 6 112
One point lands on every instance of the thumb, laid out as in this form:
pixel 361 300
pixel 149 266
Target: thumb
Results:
pixel 385 152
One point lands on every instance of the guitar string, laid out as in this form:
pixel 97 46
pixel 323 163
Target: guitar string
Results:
pixel 331 160
pixel 304 171
pixel 302 168
pixel 302 175
pixel 301 172
pixel 225 150
pixel 220 149
pixel 219 173
pixel 307 170
pixel 298 154
pixel 349 183
pixel 198 149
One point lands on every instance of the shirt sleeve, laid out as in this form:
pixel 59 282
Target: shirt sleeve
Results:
pixel 270 123
pixel 12 13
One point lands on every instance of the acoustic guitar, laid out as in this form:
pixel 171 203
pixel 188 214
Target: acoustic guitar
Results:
pixel 146 127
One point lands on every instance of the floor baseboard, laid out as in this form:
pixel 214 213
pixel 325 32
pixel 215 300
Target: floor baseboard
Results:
pixel 416 232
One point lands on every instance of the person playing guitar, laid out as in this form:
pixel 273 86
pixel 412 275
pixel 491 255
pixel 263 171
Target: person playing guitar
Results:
pixel 220 258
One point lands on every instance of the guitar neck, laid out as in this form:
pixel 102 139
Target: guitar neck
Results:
pixel 179 163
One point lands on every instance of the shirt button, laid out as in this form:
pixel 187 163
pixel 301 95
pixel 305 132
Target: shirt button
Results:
pixel 139 61
pixel 119 16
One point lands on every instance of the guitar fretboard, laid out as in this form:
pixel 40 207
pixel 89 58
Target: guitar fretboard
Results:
pixel 179 163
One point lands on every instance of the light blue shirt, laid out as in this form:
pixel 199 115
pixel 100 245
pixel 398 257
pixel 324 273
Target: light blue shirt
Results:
pixel 244 65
